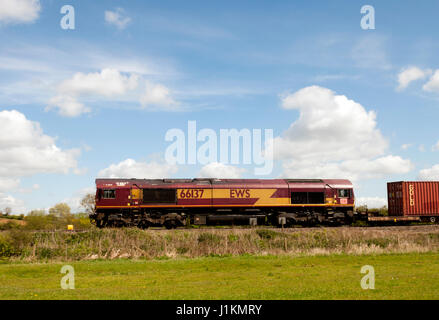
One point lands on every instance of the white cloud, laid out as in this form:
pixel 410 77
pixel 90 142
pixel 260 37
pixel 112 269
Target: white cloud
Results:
pixel 19 11
pixel 26 150
pixel 29 190
pixel 371 202
pixel 410 74
pixel 107 83
pixel 157 95
pixel 331 126
pixel 17 205
pixel 433 83
pixel 430 173
pixel 333 137
pixel 130 168
pixel 435 147
pixel 354 169
pixel 220 170
pixel 421 148
pixel 68 106
pixel 75 201
pixel 8 184
pixel 117 18
pixel 406 146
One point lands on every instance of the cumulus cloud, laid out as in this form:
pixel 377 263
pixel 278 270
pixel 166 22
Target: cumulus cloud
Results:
pixel 130 168
pixel 117 18
pixel 430 173
pixel 371 202
pixel 220 170
pixel 406 146
pixel 355 169
pixel 157 95
pixel 410 74
pixel 8 201
pixel 8 184
pixel 19 11
pixel 433 83
pixel 67 106
pixel 107 83
pixel 333 137
pixel 26 150
pixel 74 202
pixel 30 189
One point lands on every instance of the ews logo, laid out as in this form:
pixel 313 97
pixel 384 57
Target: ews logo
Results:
pixel 239 193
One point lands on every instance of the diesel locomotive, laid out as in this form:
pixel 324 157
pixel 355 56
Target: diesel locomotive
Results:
pixel 176 202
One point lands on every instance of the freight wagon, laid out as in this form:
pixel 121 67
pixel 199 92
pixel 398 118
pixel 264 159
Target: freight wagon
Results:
pixel 175 202
pixel 413 200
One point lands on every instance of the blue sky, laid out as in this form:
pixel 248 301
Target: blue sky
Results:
pixel 343 102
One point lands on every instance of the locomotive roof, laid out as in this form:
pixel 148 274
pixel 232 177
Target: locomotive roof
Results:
pixel 279 183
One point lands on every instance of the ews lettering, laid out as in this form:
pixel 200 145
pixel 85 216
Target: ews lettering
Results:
pixel 239 193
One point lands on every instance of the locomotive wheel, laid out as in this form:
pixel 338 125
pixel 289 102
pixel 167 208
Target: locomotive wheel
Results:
pixel 143 225
pixel 433 219
pixel 99 223
pixel 169 224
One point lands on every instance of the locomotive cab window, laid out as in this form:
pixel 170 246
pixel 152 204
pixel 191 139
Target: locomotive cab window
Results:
pixel 159 196
pixel 344 193
pixel 109 194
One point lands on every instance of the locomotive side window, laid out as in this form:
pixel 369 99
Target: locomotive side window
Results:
pixel 316 197
pixel 344 193
pixel 299 197
pixel 109 194
pixel 307 197
pixel 159 196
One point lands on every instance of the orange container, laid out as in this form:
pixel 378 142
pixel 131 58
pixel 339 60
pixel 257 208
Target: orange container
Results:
pixel 413 198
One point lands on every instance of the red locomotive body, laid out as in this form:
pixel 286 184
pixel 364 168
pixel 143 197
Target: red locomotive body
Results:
pixel 169 202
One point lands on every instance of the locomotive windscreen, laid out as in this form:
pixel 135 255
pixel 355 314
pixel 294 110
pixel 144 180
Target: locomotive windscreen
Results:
pixel 159 196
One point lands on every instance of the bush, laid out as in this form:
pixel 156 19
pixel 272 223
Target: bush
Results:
pixel 9 225
pixel 38 220
pixel 6 248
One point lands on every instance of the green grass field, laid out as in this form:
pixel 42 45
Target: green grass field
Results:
pixel 398 276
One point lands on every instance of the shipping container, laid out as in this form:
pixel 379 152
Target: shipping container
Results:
pixel 413 198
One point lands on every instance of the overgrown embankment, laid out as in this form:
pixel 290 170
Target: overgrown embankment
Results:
pixel 32 246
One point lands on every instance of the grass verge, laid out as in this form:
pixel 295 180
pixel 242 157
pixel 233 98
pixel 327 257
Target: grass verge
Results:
pixel 398 276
